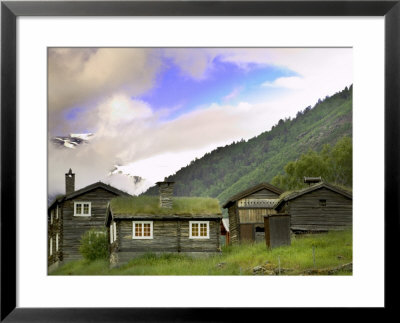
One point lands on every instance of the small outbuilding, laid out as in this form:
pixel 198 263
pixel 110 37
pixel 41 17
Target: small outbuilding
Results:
pixel 247 209
pixel 143 224
pixel 319 207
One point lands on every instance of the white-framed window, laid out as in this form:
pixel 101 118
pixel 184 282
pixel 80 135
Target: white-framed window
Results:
pixel 142 230
pixel 51 247
pixel 82 208
pixel 199 229
pixel 57 238
pixel 115 230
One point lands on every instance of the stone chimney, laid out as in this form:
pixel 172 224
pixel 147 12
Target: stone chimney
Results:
pixel 166 192
pixel 69 182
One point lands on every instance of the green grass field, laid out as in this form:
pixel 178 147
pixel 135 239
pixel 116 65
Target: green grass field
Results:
pixel 332 250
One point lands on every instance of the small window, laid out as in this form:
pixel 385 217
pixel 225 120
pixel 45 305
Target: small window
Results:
pixel 199 229
pixel 142 230
pixel 322 202
pixel 115 230
pixel 57 212
pixel 51 246
pixel 82 208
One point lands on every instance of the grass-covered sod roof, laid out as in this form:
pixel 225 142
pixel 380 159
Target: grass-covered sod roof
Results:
pixel 150 205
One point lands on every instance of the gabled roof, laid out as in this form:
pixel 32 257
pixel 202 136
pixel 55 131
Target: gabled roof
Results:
pixel 89 188
pixel 295 194
pixel 252 190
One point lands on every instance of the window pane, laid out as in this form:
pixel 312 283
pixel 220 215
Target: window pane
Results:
pixel 195 229
pixel 146 229
pixel 138 229
pixel 79 209
pixel 85 208
pixel 203 229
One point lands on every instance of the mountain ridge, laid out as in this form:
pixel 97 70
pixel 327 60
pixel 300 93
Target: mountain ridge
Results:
pixel 228 170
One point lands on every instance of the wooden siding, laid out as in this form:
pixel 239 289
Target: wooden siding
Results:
pixel 254 215
pixel 75 226
pixel 307 213
pixel 168 236
pixel 263 194
pixel 52 230
pixel 233 224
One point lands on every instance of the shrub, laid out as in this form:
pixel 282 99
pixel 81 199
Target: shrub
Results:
pixel 94 244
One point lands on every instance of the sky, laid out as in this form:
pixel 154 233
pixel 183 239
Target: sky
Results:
pixel 154 110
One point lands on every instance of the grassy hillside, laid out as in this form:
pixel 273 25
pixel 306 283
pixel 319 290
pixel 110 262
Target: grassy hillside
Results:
pixel 233 168
pixel 333 255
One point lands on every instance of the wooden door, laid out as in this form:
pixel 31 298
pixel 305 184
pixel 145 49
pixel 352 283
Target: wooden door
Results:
pixel 246 232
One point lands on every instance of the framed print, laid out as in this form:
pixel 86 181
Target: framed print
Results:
pixel 143 90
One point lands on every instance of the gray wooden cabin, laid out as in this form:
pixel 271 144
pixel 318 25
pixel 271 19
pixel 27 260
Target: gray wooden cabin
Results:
pixel 320 207
pixel 157 227
pixel 247 209
pixel 72 214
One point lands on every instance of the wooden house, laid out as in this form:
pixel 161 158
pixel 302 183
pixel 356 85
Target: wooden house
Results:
pixel 72 214
pixel 247 209
pixel 319 207
pixel 142 224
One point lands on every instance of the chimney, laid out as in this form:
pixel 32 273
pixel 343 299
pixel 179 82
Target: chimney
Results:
pixel 166 191
pixel 312 180
pixel 69 182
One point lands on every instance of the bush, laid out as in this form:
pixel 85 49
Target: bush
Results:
pixel 94 244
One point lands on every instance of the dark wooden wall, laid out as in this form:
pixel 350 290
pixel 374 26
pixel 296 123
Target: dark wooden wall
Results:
pixel 168 236
pixel 52 230
pixel 244 216
pixel 75 226
pixel 307 214
pixel 234 223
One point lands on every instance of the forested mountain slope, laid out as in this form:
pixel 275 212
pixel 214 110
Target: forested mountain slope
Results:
pixel 228 170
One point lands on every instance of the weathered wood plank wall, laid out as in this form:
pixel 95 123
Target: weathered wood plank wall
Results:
pixel 75 226
pixel 307 213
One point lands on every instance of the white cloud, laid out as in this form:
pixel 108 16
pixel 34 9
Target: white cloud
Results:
pixel 290 82
pixel 129 133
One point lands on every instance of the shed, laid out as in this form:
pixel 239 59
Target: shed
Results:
pixel 142 224
pixel 72 214
pixel 247 209
pixel 320 207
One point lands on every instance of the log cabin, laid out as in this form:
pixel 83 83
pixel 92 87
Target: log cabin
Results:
pixel 247 209
pixel 151 224
pixel 72 214
pixel 317 208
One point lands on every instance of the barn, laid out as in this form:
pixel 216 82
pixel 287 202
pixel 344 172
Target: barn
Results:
pixel 72 214
pixel 159 224
pixel 247 209
pixel 319 207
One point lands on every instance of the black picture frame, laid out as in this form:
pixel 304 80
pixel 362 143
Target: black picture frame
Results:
pixel 11 10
